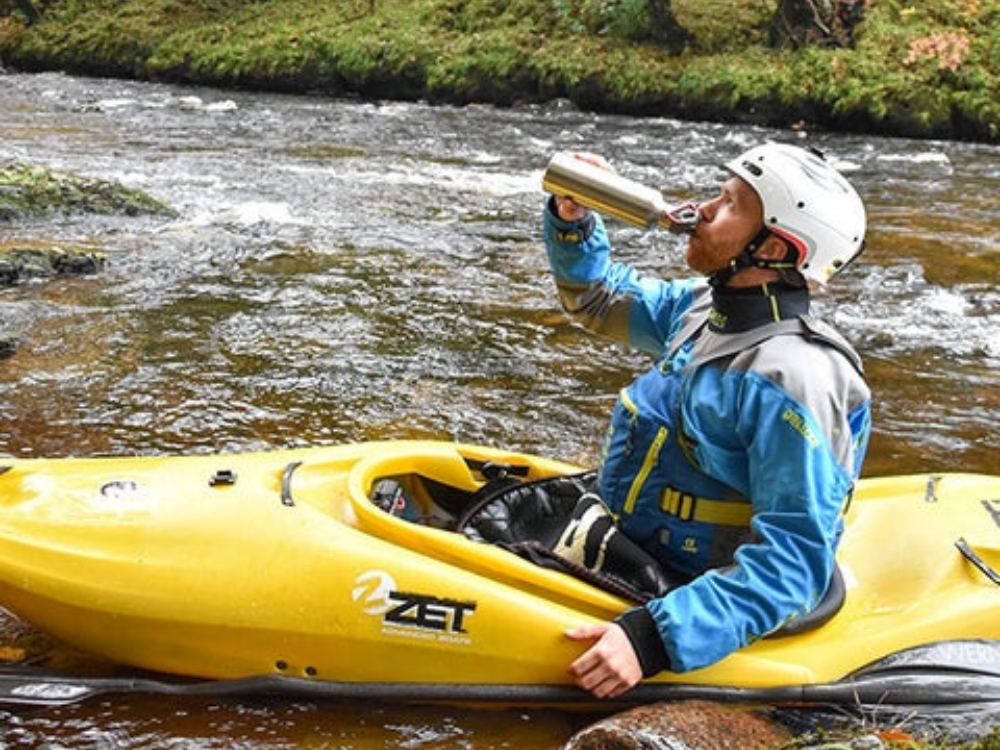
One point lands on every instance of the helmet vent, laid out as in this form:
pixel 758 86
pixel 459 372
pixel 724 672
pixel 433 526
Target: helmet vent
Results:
pixel 753 169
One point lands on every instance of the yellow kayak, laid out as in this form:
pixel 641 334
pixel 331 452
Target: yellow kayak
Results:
pixel 280 565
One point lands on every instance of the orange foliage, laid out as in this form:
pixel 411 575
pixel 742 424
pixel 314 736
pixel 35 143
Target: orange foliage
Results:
pixel 948 48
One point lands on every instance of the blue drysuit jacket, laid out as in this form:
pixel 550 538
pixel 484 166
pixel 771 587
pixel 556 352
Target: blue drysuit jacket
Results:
pixel 732 460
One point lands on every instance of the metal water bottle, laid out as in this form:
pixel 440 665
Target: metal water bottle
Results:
pixel 614 195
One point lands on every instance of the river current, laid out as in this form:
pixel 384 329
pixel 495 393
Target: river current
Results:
pixel 343 270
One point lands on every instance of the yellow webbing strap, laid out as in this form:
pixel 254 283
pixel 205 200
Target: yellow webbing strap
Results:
pixel 687 507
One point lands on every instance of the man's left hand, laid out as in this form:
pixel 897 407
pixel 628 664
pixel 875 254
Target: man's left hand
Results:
pixel 610 667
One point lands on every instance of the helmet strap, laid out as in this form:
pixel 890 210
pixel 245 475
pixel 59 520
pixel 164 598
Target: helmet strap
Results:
pixel 745 259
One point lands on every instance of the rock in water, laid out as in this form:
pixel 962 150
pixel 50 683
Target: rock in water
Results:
pixel 19 261
pixel 689 725
pixel 30 190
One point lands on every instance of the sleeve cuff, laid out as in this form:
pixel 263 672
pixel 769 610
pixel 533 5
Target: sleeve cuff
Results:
pixel 641 629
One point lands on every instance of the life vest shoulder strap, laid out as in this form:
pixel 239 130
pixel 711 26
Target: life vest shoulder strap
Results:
pixel 711 348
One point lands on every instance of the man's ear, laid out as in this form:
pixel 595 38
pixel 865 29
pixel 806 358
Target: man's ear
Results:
pixel 773 248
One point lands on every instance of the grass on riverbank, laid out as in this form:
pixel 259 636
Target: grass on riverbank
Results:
pixel 922 69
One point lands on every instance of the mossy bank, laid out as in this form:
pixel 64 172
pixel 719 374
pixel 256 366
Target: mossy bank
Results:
pixel 915 69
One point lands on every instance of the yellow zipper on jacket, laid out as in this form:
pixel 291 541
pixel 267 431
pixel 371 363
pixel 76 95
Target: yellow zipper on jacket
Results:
pixel 647 466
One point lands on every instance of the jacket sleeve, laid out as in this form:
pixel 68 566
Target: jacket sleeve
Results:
pixel 607 297
pixel 783 452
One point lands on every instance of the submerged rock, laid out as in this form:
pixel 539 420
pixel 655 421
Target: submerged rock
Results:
pixel 702 725
pixel 690 725
pixel 30 190
pixel 8 345
pixel 21 261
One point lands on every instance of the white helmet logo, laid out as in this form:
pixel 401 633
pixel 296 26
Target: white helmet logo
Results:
pixel 826 178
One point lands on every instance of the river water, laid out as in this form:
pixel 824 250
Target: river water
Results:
pixel 349 270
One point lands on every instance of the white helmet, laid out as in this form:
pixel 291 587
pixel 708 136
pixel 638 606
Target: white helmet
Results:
pixel 807 203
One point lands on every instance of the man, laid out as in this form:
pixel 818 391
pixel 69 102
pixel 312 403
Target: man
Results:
pixel 733 459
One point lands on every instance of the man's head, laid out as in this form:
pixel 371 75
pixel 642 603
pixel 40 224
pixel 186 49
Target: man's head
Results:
pixel 784 211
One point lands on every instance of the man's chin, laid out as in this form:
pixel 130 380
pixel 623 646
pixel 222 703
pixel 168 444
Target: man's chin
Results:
pixel 691 259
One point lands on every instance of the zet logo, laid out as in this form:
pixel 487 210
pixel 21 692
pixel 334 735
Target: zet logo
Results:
pixel 412 615
pixel 374 589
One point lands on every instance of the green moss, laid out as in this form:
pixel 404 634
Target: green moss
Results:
pixel 27 190
pixel 746 24
pixel 890 738
pixel 22 260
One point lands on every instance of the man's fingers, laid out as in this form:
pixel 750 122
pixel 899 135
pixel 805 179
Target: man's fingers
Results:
pixel 587 632
pixel 569 209
pixel 600 681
